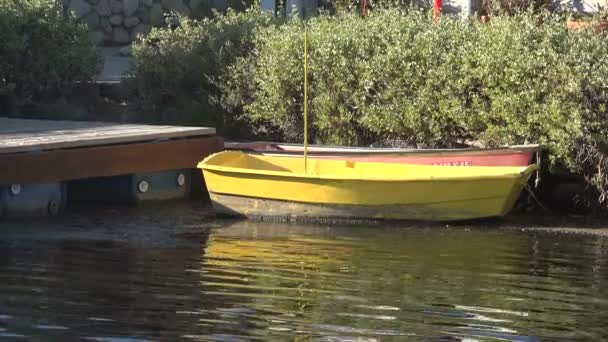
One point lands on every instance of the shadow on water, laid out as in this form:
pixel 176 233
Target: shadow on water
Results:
pixel 173 273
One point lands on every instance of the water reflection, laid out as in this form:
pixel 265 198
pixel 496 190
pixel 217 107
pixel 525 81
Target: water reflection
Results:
pixel 166 275
pixel 428 283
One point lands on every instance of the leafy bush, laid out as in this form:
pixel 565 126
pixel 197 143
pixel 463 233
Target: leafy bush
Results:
pixel 178 70
pixel 43 52
pixel 349 6
pixel 513 7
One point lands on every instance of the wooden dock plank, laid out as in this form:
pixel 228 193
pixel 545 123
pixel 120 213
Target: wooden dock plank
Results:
pixel 21 135
pixel 103 161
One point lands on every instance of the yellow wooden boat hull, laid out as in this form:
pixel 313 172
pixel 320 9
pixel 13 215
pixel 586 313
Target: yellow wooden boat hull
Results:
pixel 252 185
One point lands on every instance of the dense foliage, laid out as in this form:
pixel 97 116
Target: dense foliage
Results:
pixel 42 51
pixel 513 7
pixel 392 77
pixel 182 69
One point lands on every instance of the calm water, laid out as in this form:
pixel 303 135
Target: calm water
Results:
pixel 171 274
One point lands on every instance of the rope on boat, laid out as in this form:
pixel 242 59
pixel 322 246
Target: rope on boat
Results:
pixel 537 180
pixel 533 196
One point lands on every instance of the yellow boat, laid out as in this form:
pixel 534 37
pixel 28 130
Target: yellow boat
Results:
pixel 250 185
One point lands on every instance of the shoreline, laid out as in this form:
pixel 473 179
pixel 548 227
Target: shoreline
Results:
pixel 198 215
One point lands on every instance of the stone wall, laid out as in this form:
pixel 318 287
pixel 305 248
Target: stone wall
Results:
pixel 118 22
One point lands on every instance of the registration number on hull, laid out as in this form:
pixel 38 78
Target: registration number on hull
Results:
pixel 454 163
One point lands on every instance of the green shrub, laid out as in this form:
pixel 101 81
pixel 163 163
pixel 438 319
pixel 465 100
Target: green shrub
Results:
pixel 356 6
pixel 513 7
pixel 178 70
pixel 384 77
pixel 43 52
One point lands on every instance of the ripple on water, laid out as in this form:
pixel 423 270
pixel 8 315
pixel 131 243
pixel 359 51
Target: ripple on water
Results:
pixel 115 339
pixel 8 334
pixel 222 338
pixel 100 319
pixel 50 327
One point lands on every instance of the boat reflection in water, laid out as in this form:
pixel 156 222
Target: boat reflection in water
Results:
pixel 391 283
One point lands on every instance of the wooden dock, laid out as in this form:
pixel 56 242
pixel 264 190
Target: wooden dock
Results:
pixel 43 152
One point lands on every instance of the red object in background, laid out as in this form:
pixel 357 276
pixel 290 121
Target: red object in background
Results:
pixel 364 8
pixel 437 9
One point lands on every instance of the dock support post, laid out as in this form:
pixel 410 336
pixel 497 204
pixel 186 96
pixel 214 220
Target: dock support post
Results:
pixel 134 188
pixel 28 200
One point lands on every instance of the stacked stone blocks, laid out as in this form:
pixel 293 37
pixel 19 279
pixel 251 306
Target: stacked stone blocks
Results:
pixel 119 22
